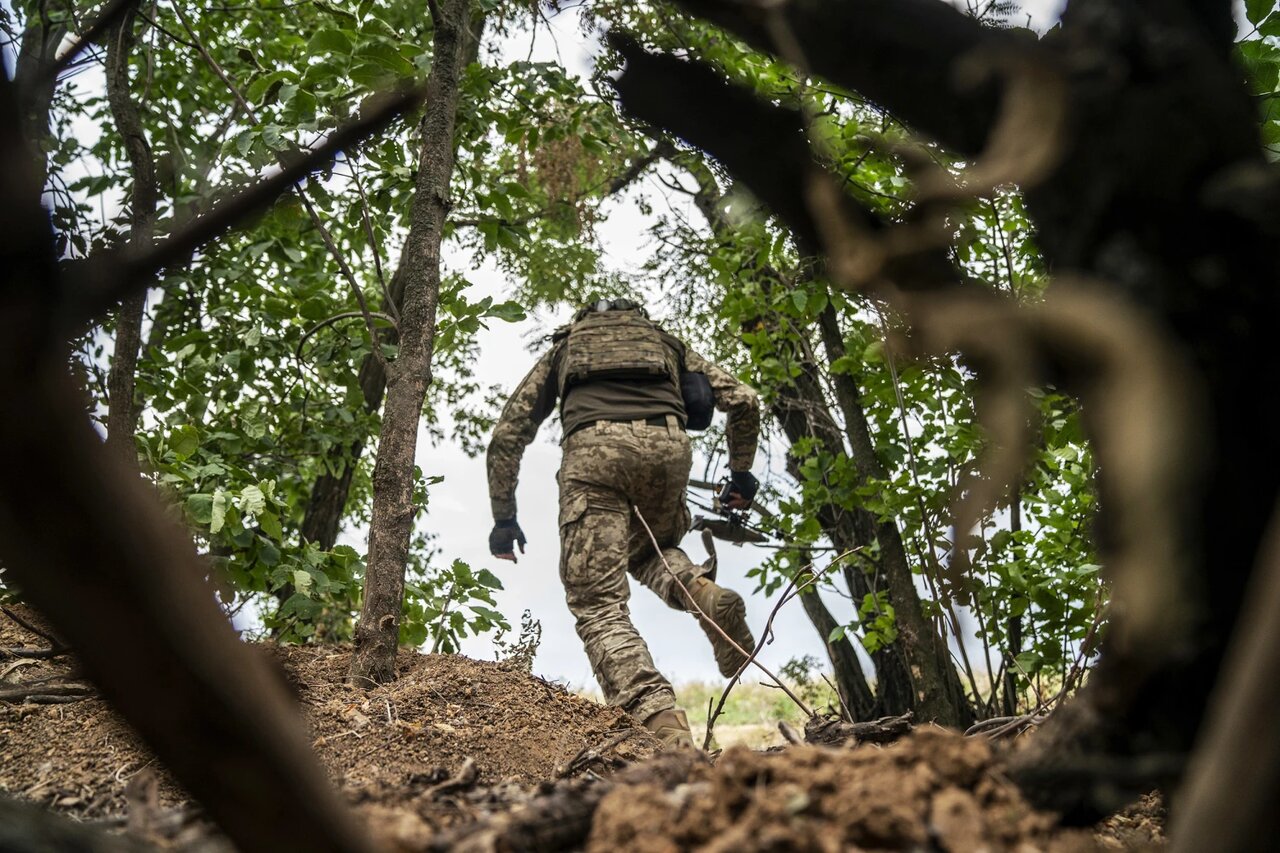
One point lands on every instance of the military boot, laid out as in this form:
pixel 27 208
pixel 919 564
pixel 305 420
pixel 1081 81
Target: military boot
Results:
pixel 726 609
pixel 672 728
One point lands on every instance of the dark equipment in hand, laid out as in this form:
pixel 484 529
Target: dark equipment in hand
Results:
pixel 741 484
pixel 503 537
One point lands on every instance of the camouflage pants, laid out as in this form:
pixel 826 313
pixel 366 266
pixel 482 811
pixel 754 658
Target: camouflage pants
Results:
pixel 609 468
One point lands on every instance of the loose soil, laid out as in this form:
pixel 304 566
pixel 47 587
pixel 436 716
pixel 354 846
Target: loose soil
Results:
pixel 454 740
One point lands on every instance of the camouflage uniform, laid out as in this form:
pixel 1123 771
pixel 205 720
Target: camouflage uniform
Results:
pixel 609 468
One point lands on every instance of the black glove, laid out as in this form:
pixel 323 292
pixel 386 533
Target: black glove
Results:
pixel 506 532
pixel 742 484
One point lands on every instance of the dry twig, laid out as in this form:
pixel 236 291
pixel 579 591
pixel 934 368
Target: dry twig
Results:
pixel 750 656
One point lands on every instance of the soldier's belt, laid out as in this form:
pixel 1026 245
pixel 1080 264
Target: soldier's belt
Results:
pixel 655 420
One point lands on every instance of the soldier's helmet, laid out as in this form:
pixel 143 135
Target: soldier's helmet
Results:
pixel 599 303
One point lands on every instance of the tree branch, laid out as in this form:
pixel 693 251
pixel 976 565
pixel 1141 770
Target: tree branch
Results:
pixel 905 58
pixel 765 147
pixel 99 285
pixel 115 11
pixel 122 417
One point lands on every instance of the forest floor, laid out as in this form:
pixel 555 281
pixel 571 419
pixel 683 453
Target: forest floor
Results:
pixel 456 743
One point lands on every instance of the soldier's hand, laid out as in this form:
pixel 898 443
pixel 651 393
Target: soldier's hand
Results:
pixel 505 534
pixel 740 490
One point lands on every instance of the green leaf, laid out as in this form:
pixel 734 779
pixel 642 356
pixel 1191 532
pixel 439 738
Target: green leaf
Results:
pixel 800 299
pixel 200 508
pixel 270 524
pixel 184 441
pixel 837 634
pixel 1029 662
pixel 258 89
pixel 388 57
pixel 252 500
pixel 488 579
pixel 329 42
pixel 302 582
pixel 511 312
pixel 218 512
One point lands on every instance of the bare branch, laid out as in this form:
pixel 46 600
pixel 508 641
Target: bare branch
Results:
pixel 750 656
pixel 98 286
pixel 905 60
pixel 114 12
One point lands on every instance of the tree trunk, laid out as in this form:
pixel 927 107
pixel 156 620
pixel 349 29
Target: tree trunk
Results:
pixel 46 25
pixel 934 673
pixel 119 580
pixel 850 681
pixel 1184 233
pixel 122 417
pixel 914 673
pixel 377 632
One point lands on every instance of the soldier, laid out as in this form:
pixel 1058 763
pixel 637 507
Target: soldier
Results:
pixel 618 377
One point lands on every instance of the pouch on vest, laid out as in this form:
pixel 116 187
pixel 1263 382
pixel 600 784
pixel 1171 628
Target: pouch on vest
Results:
pixel 699 401
pixel 615 345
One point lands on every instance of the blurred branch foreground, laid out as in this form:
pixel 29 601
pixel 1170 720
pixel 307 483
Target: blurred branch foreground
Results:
pixel 1137 147
pixel 1164 261
pixel 96 553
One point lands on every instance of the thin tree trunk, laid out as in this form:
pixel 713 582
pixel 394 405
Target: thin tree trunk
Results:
pixel 1014 625
pixel 122 418
pixel 46 25
pixel 850 680
pixel 914 672
pixel 377 632
pixel 939 693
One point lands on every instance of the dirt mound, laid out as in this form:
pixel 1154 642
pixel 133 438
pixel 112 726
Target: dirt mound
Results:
pixel 397 745
pixel 443 710
pixel 456 745
pixel 932 791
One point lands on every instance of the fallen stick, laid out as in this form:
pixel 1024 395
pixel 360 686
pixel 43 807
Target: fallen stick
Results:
pixel 466 776
pixel 33 653
pixel 837 732
pixel 45 690
pixel 588 754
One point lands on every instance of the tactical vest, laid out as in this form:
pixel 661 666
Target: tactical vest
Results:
pixel 616 345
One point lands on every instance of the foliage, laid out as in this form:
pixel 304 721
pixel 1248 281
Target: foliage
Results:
pixel 1033 566
pixel 1259 53
pixel 520 651
pixel 253 389
pixel 251 371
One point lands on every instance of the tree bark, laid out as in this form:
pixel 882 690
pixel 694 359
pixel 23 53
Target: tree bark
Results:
pixel 1185 232
pixel 914 673
pixel 122 417
pixel 377 632
pixel 46 25
pixel 931 664
pixel 850 680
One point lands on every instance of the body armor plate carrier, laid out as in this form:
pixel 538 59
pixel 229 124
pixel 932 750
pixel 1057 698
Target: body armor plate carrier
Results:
pixel 616 345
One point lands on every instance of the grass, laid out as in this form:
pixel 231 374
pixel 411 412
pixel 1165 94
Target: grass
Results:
pixel 751 713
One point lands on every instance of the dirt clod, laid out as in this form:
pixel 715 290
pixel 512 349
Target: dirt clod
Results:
pixel 933 790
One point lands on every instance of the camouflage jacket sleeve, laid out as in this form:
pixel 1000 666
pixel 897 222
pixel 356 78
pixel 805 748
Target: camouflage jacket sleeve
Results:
pixel 533 399
pixel 741 404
